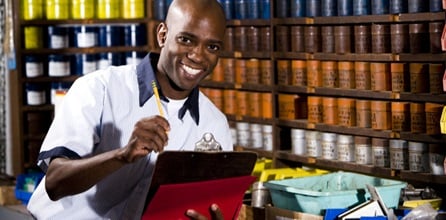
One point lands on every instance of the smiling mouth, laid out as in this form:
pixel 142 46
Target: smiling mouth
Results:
pixel 191 71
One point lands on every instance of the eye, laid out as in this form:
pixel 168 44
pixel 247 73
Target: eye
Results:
pixel 214 47
pixel 184 40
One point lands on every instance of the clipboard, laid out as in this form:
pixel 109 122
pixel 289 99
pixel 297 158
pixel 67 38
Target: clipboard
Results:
pixel 185 171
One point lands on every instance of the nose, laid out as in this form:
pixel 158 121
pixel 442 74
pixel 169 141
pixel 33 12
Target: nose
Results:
pixel 197 54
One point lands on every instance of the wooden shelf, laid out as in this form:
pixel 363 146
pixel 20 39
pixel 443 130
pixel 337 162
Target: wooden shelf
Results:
pixel 71 22
pixel 87 50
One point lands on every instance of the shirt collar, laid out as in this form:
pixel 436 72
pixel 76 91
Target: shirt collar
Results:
pixel 146 74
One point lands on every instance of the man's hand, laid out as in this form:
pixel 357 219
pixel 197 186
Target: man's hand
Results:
pixel 214 210
pixel 149 134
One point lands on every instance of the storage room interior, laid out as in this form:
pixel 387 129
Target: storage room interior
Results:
pixel 351 91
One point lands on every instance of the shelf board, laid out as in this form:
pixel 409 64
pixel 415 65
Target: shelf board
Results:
pixel 49 79
pixel 293 89
pixel 387 18
pixel 245 86
pixel 298 123
pixel 31 108
pixel 424 16
pixel 260 153
pixel 292 21
pixel 354 93
pixel 248 22
pixel 89 50
pixel 71 22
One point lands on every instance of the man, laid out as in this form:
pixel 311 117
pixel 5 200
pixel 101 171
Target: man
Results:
pixel 100 150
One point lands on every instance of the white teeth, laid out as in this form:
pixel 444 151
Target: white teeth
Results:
pixel 190 70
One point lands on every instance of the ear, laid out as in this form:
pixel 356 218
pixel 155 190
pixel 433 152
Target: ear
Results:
pixel 161 34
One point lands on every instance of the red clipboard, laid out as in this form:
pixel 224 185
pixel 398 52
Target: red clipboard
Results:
pixel 194 180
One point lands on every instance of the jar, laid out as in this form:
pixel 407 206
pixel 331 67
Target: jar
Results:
pixel 346 73
pixel 282 38
pixel 133 33
pixel 346 148
pixel 240 71
pixel 33 37
pixel 111 35
pixel 363 113
pixel 313 143
pixel 256 136
pixel 253 9
pixel 57 37
pixel 433 116
pixel 253 71
pixel 298 73
pixel 35 94
pixel 314 73
pixel 418 157
pixel 417 118
pixel 380 152
pixel 32 9
pixel 345 7
pixel 229 101
pixel 362 39
pixel 33 66
pixel 313 8
pixel 415 6
pixel 419 38
pixel 399 38
pixel 57 9
pixel 243 134
pixel 286 107
pixel 330 74
pixel 265 39
pixel 297 38
pixel 398 6
pixel 380 77
pixel 229 69
pixel 218 73
pixel 400 77
pixel 267 133
pixel 242 103
pixel 252 38
pixel 399 154
pixel 436 71
pixel 108 9
pixel 160 9
pixel 104 60
pixel 312 39
pixel 328 145
pixel 298 143
pixel 419 77
pixel 327 39
pixel 85 63
pixel 283 72
pixel 380 7
pixel 265 72
pixel 265 9
pixel 229 39
pixel 133 9
pixel 329 110
pixel 381 115
pixel 328 8
pixel 85 36
pixel 267 107
pixel 82 9
pixel 436 159
pixel 435 31
pixel 380 38
pixel 343 39
pixel 363 150
pixel 314 109
pixel 240 38
pixel 361 7
pixel 435 5
pixel 400 116
pixel 241 9
pixel 297 8
pixel 362 75
pixel 59 65
pixel 254 104
pixel 346 112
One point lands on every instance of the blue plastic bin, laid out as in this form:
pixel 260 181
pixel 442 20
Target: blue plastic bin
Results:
pixel 315 194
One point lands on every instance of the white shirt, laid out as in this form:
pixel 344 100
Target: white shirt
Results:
pixel 98 115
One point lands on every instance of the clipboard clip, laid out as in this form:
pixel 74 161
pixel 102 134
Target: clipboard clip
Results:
pixel 208 143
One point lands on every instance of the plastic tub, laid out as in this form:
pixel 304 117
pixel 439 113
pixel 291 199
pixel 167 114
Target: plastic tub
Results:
pixel 334 190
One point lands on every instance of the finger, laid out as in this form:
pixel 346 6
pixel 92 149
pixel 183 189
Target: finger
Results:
pixel 192 214
pixel 216 212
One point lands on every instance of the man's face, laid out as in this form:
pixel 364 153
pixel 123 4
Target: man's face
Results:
pixel 191 45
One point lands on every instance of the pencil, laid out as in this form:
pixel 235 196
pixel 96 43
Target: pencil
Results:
pixel 157 96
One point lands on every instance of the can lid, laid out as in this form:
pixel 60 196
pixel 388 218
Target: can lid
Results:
pixel 416 107
pixel 382 142
pixel 295 132
pixel 433 107
pixel 328 136
pixel 418 146
pixel 400 106
pixel 362 140
pixel 345 138
pixel 397 143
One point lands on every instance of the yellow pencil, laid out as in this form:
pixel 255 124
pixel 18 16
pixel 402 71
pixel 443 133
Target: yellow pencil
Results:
pixel 157 96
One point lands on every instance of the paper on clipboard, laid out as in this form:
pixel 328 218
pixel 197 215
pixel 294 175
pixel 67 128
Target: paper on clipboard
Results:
pixel 172 200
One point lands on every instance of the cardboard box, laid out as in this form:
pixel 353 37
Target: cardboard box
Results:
pixel 273 213
pixel 7 196
pixel 251 213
